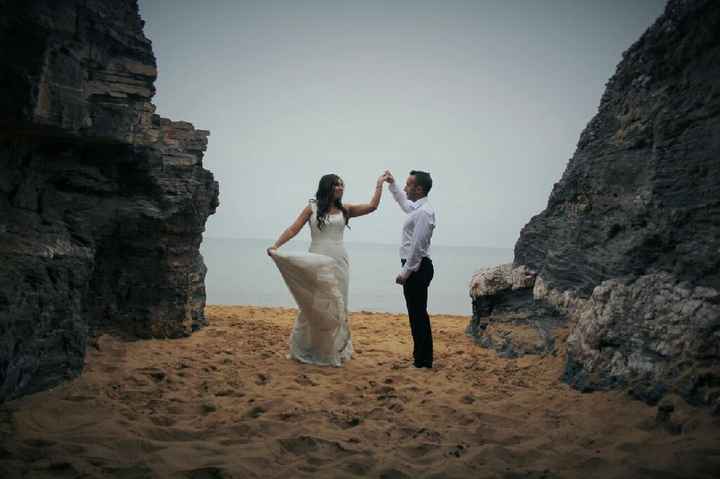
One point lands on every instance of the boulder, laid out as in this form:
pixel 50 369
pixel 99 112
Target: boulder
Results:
pixel 506 318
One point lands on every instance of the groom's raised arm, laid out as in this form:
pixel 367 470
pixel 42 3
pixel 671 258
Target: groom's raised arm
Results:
pixel 399 195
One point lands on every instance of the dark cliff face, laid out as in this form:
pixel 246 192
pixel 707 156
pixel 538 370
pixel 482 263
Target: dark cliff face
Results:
pixel 102 202
pixel 629 244
pixel 642 192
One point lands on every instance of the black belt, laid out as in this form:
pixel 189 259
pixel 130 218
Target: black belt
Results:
pixel 403 260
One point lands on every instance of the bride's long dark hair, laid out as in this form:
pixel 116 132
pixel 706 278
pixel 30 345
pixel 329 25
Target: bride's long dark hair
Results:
pixel 324 195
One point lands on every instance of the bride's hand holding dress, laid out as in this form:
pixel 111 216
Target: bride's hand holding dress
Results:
pixel 318 280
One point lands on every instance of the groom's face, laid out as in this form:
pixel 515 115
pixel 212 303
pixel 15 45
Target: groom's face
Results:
pixel 412 191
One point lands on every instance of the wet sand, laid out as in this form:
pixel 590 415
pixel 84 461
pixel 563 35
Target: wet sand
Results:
pixel 226 402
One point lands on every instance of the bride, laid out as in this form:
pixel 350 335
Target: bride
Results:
pixel 318 280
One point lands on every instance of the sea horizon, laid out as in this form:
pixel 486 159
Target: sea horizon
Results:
pixel 241 273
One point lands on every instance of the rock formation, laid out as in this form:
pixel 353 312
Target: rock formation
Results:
pixel 505 316
pixel 102 202
pixel 628 247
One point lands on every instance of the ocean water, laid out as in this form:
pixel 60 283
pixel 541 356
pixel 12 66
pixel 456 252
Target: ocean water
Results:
pixel 240 272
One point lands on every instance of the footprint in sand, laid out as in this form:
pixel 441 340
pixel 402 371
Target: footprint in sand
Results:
pixel 423 453
pixel 39 443
pixel 359 468
pixel 393 474
pixel 163 421
pixel 229 392
pixel 384 392
pixel 56 468
pixel 341 398
pixel 206 473
pixel 255 412
pixel 155 373
pixel 457 451
pixel 394 379
pixel 303 445
pixel 428 435
pixel 305 380
pixel 207 406
pixel 379 413
pixel 139 470
pixel 184 363
pixel 238 434
pixel 344 421
pixel 79 398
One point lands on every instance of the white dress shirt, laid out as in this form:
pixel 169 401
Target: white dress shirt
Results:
pixel 417 229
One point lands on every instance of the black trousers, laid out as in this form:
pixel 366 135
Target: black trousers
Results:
pixel 415 290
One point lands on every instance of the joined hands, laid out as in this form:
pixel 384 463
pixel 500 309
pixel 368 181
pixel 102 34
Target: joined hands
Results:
pixel 385 177
pixel 389 178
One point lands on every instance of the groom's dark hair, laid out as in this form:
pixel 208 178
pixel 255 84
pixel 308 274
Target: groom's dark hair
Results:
pixel 423 180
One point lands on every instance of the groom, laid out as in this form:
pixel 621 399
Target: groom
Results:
pixel 417 268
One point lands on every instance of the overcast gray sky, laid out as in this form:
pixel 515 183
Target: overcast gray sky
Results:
pixel 488 96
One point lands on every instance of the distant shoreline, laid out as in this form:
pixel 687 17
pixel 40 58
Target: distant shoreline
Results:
pixel 240 272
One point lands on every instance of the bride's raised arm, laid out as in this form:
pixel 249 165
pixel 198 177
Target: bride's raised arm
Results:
pixel 364 209
pixel 293 229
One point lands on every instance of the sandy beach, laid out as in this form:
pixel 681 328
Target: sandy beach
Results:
pixel 226 402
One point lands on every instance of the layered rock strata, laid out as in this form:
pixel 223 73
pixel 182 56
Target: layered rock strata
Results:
pixel 102 202
pixel 642 192
pixel 628 247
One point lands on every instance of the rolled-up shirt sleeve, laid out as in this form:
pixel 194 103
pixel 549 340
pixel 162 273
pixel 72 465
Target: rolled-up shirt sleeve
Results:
pixel 424 226
pixel 399 195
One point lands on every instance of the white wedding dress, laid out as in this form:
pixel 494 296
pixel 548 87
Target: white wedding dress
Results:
pixel 318 280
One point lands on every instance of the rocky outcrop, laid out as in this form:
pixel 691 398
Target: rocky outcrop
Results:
pixel 506 317
pixel 642 191
pixel 102 202
pixel 628 246
pixel 653 334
